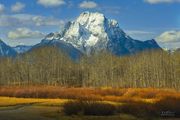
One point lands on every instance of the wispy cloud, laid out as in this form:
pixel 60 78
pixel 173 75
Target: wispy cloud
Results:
pixel 17 20
pixel 88 4
pixel 24 33
pixel 47 21
pixel 141 34
pixel 51 3
pixel 110 9
pixel 2 8
pixel 161 1
pixel 17 7
pixel 138 32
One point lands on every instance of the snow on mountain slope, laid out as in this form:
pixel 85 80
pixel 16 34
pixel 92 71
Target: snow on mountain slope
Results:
pixel 22 48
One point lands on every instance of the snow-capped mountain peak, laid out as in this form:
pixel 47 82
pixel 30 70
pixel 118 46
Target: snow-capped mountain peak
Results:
pixel 93 32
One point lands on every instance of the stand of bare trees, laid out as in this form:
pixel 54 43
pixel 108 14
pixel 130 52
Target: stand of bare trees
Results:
pixel 49 66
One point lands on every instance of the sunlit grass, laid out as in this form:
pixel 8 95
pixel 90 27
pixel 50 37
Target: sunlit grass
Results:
pixel 12 101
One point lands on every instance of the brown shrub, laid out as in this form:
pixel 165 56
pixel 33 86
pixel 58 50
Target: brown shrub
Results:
pixel 88 108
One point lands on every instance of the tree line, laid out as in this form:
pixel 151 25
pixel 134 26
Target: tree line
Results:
pixel 49 66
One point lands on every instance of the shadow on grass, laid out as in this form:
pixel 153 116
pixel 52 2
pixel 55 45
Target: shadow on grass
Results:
pixel 88 108
pixel 166 107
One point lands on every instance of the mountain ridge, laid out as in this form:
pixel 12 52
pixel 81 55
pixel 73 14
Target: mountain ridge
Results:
pixel 6 51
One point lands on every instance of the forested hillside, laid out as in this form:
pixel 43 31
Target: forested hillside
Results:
pixel 49 66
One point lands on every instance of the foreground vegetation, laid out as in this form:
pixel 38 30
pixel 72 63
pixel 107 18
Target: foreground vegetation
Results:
pixel 47 82
pixel 140 103
pixel 49 66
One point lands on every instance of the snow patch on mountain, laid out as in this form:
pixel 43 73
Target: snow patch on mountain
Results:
pixel 22 48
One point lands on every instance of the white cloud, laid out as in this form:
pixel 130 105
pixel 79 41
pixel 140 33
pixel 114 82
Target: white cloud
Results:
pixel 88 4
pixel 24 33
pixel 28 20
pixel 161 1
pixel 2 8
pixel 17 7
pixel 169 37
pixel 51 3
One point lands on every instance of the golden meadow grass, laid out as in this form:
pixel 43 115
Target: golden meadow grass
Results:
pixel 12 101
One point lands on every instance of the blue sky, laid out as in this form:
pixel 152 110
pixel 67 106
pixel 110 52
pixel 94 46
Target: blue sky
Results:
pixel 28 21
